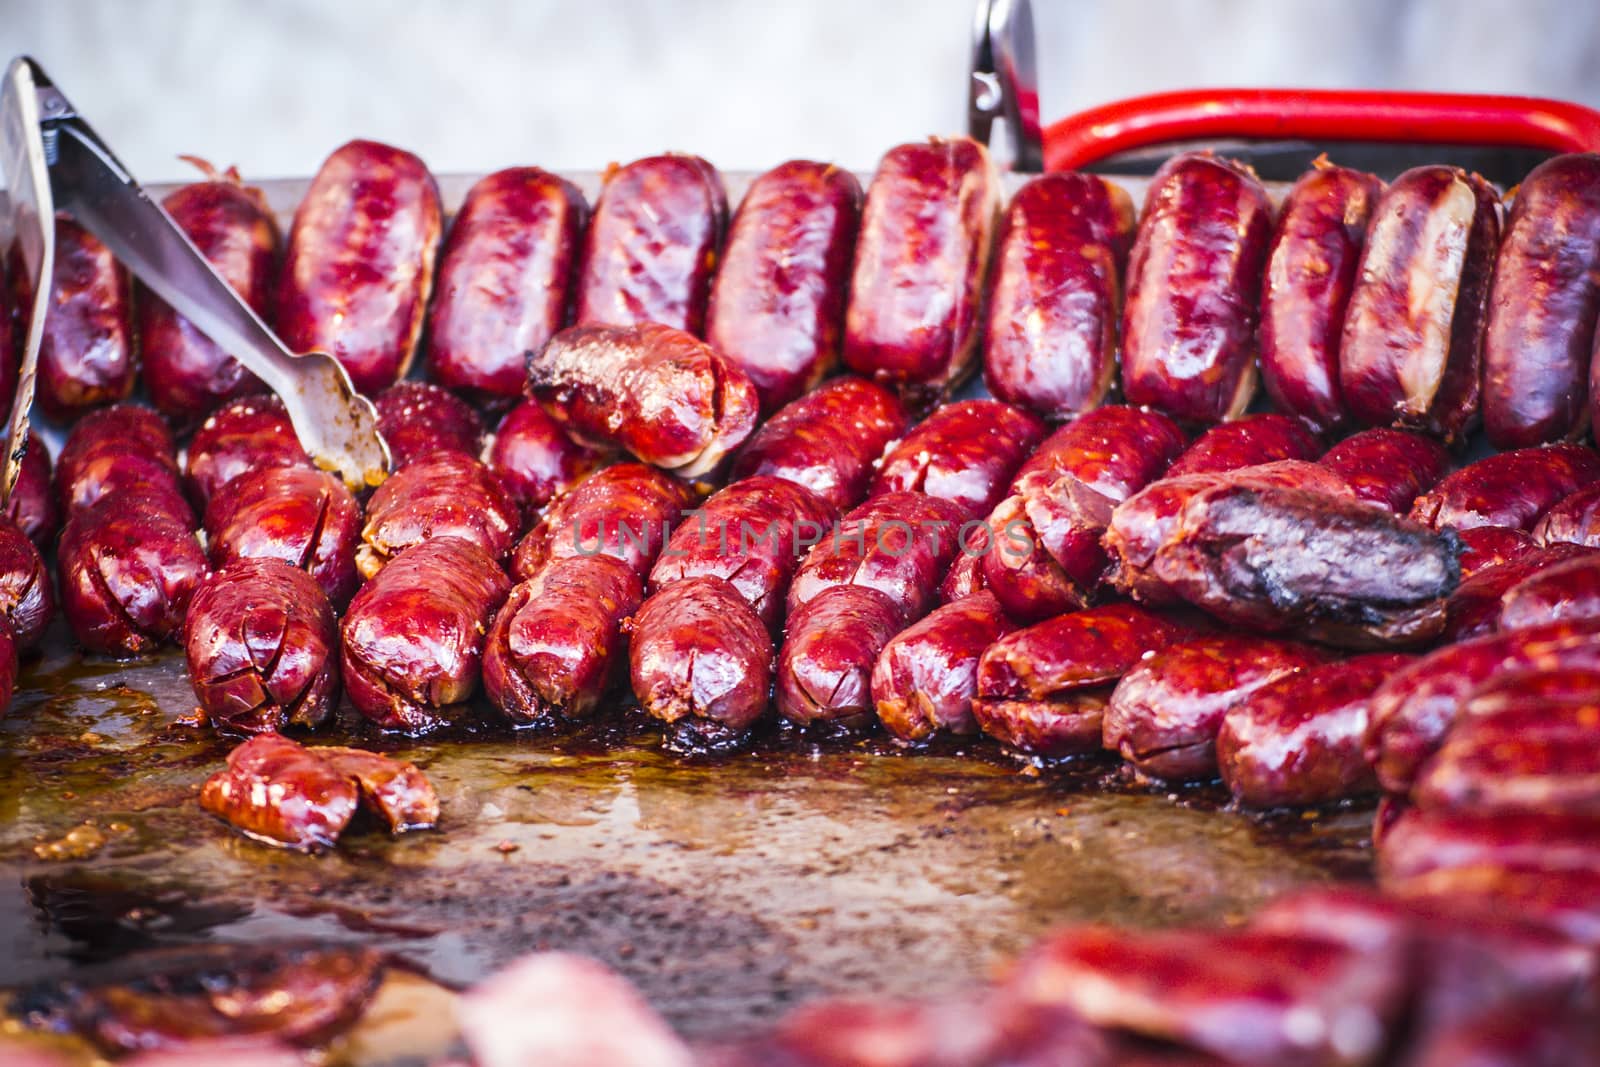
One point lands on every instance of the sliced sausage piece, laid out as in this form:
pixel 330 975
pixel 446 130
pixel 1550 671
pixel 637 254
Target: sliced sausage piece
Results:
pixel 965 452
pixel 305 518
pixel 824 674
pixel 27 595
pixel 1388 467
pixel 86 353
pixel 118 450
pixel 243 435
pixel 417 419
pixel 626 511
pixel 535 459
pixel 1508 489
pixel 446 494
pixel 926 677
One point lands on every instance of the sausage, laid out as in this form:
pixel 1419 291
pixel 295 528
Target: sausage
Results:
pixel 86 352
pixel 626 511
pixel 1412 345
pixel 1512 1033
pixel 557 645
pixel 27 595
pixel 117 450
pixel 1329 568
pixel 777 304
pixel 926 677
pixel 652 390
pixel 185 372
pixel 33 498
pixel 921 261
pixel 417 419
pixel 1298 739
pixel 1483 547
pixel 1189 324
pixel 1413 710
pixel 1164 714
pixel 1575 518
pixel 127 567
pixel 1508 489
pixel 1563 900
pixel 965 575
pixel 1311 270
pixel 827 441
pixel 1424 840
pixel 412 638
pixel 1247 442
pixel 1388 467
pixel 1566 590
pixel 243 435
pixel 359 266
pixel 1542 307
pixel 1474 608
pixel 304 518
pixel 1056 294
pixel 750 534
pixel 700 660
pixel 535 460
pixel 965 452
pixel 1043 690
pixel 899 544
pixel 445 494
pixel 824 675
pixel 262 647
pixel 504 279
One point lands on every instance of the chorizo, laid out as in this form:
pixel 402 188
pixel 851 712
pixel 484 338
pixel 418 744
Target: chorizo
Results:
pixel 262 647
pixel 445 494
pixel 1411 351
pixel 824 671
pixel 1575 518
pixel 359 267
pixel 116 450
pixel 1298 739
pixel 86 352
pixel 27 595
pixel 244 435
pixel 827 440
pixel 185 372
pixel 1508 489
pixel 504 279
pixel 1542 306
pixel 1424 840
pixel 1483 547
pixel 652 390
pixel 305 518
pixel 1388 467
pixel 33 498
pixel 921 261
pixel 413 637
pixel 1565 590
pixel 1056 294
pixel 926 677
pixel 1311 270
pixel 535 459
pixel 965 452
pixel 417 419
pixel 1474 608
pixel 965 575
pixel 652 246
pixel 777 304
pixel 557 645
pixel 1194 276
pixel 626 511
pixel 1246 442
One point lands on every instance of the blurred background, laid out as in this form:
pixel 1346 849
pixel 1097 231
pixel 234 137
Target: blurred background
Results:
pixel 474 85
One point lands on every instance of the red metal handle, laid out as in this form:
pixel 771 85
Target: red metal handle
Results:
pixel 1318 115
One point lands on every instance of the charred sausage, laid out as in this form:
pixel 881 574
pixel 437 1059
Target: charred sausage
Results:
pixel 417 419
pixel 824 673
pixel 535 459
pixel 27 596
pixel 926 677
pixel 1508 489
pixel 117 450
pixel 626 511
pixel 86 353
pixel 244 435
pixel 1387 467
pixel 964 452
pixel 446 494
pixel 305 518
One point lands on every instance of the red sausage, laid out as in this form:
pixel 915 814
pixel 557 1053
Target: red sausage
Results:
pixel 926 677
pixel 1311 269
pixel 1422 841
pixel 446 494
pixel 652 244
pixel 245 435
pixel 117 450
pixel 33 498
pixel 504 281
pixel 1508 489
pixel 1413 334
pixel 1575 517
pixel 824 674
pixel 1474 608
pixel 417 419
pixel 305 518
pixel 1056 295
pixel 27 596
pixel 1247 442
pixel 1386 467
pixel 920 266
pixel 86 354
pixel 626 511
pixel 1188 329
pixel 359 266
pixel 535 459
pixel 1483 547
pixel 964 452
pixel 777 304
pixel 1563 591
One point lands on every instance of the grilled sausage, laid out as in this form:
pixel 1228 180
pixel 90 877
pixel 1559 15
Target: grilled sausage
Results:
pixel 535 460
pixel 186 373
pixel 1542 306
pixel 417 419
pixel 1474 607
pixel 1387 467
pixel 626 511
pixel 827 440
pixel 964 452
pixel 1311 269
pixel 1483 547
pixel 920 266
pixel 118 450
pixel 86 353
pixel 27 596
pixel 359 266
pixel 446 494
pixel 1246 442
pixel 1411 350
pixel 1575 518
pixel 1056 294
pixel 652 245
pixel 557 645
pixel 1298 739
pixel 33 498
pixel 1508 489
pixel 262 647
pixel 244 435
pixel 777 304
pixel 655 391
pixel 412 638
pixel 750 534
pixel 1424 840
pixel 128 567
pixel 700 660
pixel 1188 329
pixel 305 518
pixel 1567 590
pixel 1043 690
pixel 1164 714
pixel 504 279
pixel 926 677
pixel 824 670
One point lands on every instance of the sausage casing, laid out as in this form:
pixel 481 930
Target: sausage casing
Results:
pixel 417 419
pixel 27 596
pixel 1564 590
pixel 627 511
pixel 965 452
pixel 1508 489
pixel 305 518
pixel 244 435
pixel 86 353
pixel 445 494
pixel 115 450
pixel 926 677
pixel 535 459
pixel 1474 608
pixel 33 498
pixel 1483 547
pixel 1387 467
pixel 1247 442
pixel 824 672
pixel 1575 518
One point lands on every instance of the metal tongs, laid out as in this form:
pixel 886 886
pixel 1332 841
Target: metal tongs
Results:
pixel 1005 84
pixel 50 158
